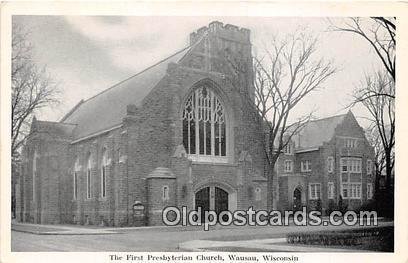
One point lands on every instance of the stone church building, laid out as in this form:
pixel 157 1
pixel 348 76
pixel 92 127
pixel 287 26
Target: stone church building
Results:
pixel 183 133
pixel 179 133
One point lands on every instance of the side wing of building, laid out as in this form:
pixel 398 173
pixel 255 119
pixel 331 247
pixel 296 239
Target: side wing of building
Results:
pixel 331 171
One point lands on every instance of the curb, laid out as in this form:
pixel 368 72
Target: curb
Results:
pixel 62 232
pixel 66 230
pixel 276 245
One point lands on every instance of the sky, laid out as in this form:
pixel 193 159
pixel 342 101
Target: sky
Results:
pixel 88 54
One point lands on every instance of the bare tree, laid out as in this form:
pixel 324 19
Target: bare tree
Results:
pixel 379 32
pixel 286 74
pixel 377 93
pixel 374 139
pixel 31 88
pixel 382 117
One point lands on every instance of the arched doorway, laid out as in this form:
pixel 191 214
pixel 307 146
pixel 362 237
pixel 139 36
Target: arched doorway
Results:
pixel 297 199
pixel 212 198
pixel 202 199
pixel 221 200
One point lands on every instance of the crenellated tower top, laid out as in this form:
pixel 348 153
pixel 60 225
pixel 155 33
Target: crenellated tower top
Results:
pixel 218 29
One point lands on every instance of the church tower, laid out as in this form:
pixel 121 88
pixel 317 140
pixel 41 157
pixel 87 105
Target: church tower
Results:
pixel 224 49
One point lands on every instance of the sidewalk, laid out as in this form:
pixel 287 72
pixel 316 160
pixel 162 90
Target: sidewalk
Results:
pixel 98 230
pixel 256 245
pixel 59 229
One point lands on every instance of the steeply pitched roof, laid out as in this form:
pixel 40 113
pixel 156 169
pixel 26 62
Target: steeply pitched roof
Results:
pixel 106 109
pixel 316 132
pixel 53 128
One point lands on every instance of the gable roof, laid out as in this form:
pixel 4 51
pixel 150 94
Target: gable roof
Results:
pixel 58 129
pixel 107 109
pixel 316 132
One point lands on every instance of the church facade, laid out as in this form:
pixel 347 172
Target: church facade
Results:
pixel 179 133
pixel 184 133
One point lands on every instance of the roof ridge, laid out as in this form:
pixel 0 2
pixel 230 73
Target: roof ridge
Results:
pixel 57 122
pixel 69 113
pixel 330 117
pixel 137 74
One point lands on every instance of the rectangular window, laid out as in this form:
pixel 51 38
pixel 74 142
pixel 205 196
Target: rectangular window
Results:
pixel 165 193
pixel 369 167
pixel 305 166
pixel 345 190
pixel 103 181
pixel 359 165
pixel 330 190
pixel 75 185
pixel 88 183
pixel 369 191
pixel 314 191
pixel 350 187
pixel 355 165
pixel 354 190
pixel 344 177
pixel 352 165
pixel 288 149
pixel 330 164
pixel 350 143
pixel 344 166
pixel 288 166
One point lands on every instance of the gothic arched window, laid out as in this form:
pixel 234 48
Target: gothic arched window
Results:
pixel 204 124
pixel 104 164
pixel 89 177
pixel 77 169
pixel 35 156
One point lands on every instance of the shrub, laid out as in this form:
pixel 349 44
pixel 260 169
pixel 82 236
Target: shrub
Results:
pixel 379 238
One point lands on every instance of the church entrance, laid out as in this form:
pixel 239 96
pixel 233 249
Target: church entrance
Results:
pixel 297 199
pixel 211 198
pixel 202 199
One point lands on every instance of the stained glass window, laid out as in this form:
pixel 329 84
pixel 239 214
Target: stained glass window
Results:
pixel 204 124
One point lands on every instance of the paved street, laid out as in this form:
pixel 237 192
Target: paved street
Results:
pixel 150 239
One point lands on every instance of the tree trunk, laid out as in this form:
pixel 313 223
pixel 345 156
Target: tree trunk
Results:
pixel 270 177
pixel 389 187
pixel 388 169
